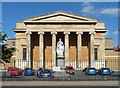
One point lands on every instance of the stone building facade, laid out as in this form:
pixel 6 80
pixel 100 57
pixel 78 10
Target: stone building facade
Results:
pixel 83 38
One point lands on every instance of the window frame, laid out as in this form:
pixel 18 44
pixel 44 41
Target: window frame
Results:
pixel 13 43
pixel 95 53
pixel 24 53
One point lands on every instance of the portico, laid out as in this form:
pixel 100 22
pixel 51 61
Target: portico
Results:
pixel 80 35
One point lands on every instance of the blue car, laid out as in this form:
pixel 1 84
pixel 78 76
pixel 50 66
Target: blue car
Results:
pixel 90 71
pixel 45 74
pixel 105 71
pixel 29 71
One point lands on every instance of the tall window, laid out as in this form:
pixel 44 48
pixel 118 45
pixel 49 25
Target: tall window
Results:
pixel 24 53
pixel 13 44
pixel 96 53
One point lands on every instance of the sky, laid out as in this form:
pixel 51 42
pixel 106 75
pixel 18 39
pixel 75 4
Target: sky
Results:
pixel 107 12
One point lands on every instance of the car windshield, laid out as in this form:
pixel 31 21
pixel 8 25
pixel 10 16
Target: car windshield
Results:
pixel 45 71
pixel 28 69
pixel 105 69
pixel 13 69
pixel 69 68
pixel 92 68
pixel 40 68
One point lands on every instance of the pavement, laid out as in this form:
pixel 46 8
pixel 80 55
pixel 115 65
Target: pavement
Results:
pixel 69 81
pixel 60 83
pixel 61 75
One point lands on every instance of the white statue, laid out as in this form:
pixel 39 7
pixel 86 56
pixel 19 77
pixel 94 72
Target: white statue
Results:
pixel 60 48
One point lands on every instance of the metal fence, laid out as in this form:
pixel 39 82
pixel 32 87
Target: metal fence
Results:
pixel 77 64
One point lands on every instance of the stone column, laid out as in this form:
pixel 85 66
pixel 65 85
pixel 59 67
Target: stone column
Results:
pixel 103 48
pixel 29 48
pixel 92 60
pixel 79 47
pixel 53 48
pixel 41 49
pixel 66 48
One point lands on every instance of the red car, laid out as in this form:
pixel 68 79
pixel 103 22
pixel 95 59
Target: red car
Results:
pixel 20 69
pixel 69 69
pixel 10 68
pixel 15 72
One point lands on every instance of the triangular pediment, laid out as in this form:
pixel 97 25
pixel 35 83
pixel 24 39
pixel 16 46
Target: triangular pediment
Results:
pixel 60 16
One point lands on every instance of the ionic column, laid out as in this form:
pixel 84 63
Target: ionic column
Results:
pixel 92 48
pixel 66 48
pixel 28 48
pixel 79 47
pixel 53 48
pixel 41 49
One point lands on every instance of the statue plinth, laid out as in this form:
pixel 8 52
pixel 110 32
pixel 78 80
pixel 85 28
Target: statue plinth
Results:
pixel 60 57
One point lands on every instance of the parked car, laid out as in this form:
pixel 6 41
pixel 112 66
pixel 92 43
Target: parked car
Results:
pixel 90 71
pixel 15 72
pixel 70 70
pixel 10 68
pixel 39 70
pixel 45 74
pixel 29 71
pixel 105 71
pixel 21 69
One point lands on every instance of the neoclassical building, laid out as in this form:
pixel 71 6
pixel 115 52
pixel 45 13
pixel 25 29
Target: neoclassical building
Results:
pixel 83 39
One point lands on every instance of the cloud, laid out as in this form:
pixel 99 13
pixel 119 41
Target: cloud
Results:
pixel 107 33
pixel 115 33
pixel 86 4
pixel 110 11
pixel 88 8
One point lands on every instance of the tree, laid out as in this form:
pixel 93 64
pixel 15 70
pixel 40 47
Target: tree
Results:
pixel 5 52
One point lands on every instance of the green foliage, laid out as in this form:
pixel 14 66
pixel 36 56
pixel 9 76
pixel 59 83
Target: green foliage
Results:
pixel 5 52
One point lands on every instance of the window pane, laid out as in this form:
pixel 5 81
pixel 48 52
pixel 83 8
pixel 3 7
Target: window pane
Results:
pixel 24 53
pixel 13 43
pixel 95 53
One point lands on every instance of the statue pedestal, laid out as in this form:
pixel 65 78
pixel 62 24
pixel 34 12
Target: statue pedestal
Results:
pixel 60 62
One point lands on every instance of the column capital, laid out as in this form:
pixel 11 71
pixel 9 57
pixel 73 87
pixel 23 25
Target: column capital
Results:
pixel 79 32
pixel 92 32
pixel 40 32
pixel 53 32
pixel 66 32
pixel 28 32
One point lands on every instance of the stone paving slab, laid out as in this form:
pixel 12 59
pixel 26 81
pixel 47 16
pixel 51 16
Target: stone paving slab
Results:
pixel 59 83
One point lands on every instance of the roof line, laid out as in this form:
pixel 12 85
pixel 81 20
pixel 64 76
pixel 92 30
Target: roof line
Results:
pixel 59 12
